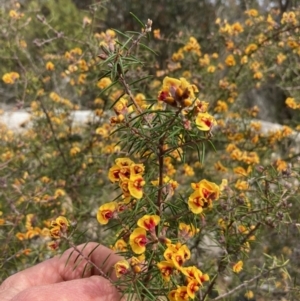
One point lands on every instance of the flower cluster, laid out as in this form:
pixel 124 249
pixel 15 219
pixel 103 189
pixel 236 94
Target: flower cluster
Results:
pixel 58 229
pixel 180 93
pixel 138 238
pixel 10 78
pixel 204 194
pixel 175 256
pixel 129 175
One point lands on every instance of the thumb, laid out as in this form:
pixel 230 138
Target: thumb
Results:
pixel 94 288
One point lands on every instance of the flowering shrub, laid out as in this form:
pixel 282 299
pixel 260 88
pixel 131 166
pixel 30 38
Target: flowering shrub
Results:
pixel 177 170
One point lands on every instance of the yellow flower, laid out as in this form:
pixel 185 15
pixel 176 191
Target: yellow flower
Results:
pixel 138 240
pixel 62 222
pixel 15 15
pixel 148 222
pixel 280 58
pixel 193 273
pixel 240 171
pixel 238 267
pixel 74 151
pixel 55 232
pixel 59 192
pixel 137 169
pixel 106 212
pixel 178 93
pixel 211 69
pixel 50 66
pixel 209 191
pixel 281 165
pixel 121 106
pixel 244 60
pixel 251 12
pixel 121 168
pixel 166 268
pixel 135 186
pixel 10 78
pixel 180 257
pixel 249 295
pixel 205 121
pixel 156 33
pixel 237 28
pixel 230 61
pixel 201 106
pixel 241 185
pixel 124 185
pixel 221 106
pixel 192 46
pixel 120 246
pixel 180 294
pixel 187 231
pixel 250 48
pixel 192 287
pixel 291 103
pixel 289 17
pixel 196 202
pixel 257 75
pixel 104 82
pixel 122 267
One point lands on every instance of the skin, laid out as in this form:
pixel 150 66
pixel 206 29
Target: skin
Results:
pixel 61 279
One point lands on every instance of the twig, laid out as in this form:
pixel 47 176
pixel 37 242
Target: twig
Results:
pixel 90 262
pixel 53 133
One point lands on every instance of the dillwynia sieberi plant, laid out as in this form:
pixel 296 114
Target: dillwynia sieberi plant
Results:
pixel 190 220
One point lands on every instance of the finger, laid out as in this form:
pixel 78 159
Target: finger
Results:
pixel 93 288
pixel 69 266
pixel 103 258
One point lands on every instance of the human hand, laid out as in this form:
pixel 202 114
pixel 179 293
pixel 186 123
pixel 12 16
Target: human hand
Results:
pixel 60 278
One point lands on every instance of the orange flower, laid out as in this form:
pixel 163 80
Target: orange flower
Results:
pixel 10 78
pixel 181 294
pixel 123 162
pixel 205 122
pixel 192 288
pixel 104 82
pixel 62 222
pixel 167 94
pixel 50 66
pixel 121 107
pixel 137 169
pixel 166 268
pixel 182 255
pixel 122 166
pixel 208 190
pixel 135 186
pixel 196 202
pixel 178 93
pixel 148 222
pixel 230 61
pixel 120 246
pixel 238 267
pixel 171 249
pixel 55 232
pixel 138 240
pixel 250 48
pixel 187 231
pixel 241 185
pixel 113 173
pixel 121 268
pixel 193 273
pixel 124 185
pixel 106 212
